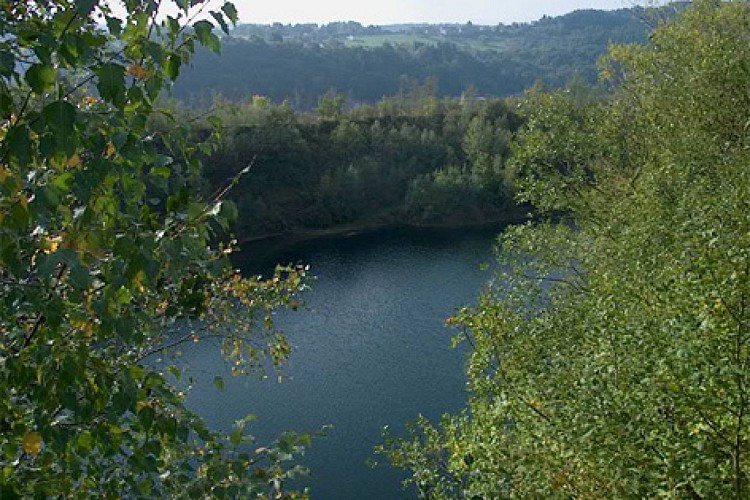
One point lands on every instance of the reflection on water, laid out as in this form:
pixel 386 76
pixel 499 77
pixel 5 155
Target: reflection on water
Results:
pixel 371 350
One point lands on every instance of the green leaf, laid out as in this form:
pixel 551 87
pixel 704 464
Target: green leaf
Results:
pixel 163 172
pixel 173 25
pixel 236 437
pixel 63 182
pixel 176 372
pixel 219 383
pixel 204 32
pixel 146 417
pixel 6 101
pixel 111 83
pixel 79 276
pixel 60 116
pixel 228 212
pixel 7 63
pixel 71 49
pixel 287 442
pixel 195 210
pixel 172 66
pixel 215 121
pixel 40 77
pixel 163 160
pixel 145 487
pixel 167 426
pixel 220 19
pixel 47 198
pixel 18 143
pixel 231 11
pixel 114 25
pixel 84 7
pixel 85 442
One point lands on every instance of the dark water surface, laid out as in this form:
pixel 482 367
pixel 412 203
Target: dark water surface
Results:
pixel 372 350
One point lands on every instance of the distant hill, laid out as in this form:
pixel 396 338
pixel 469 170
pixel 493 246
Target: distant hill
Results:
pixel 302 62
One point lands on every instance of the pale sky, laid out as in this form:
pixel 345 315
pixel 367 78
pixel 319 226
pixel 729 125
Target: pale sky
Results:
pixel 409 11
pixel 412 11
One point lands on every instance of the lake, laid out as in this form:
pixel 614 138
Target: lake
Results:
pixel 372 349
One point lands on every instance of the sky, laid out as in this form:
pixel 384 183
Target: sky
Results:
pixel 408 11
pixel 412 11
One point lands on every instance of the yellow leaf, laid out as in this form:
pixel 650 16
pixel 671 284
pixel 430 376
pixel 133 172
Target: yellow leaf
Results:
pixel 143 404
pixel 86 327
pixel 110 149
pixel 137 71
pixel 32 443
pixel 74 161
pixel 58 164
pixel 52 244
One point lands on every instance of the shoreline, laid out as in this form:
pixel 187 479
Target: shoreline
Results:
pixel 290 238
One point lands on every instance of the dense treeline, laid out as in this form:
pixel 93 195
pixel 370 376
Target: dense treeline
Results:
pixel 612 356
pixel 302 62
pixel 287 70
pixel 413 159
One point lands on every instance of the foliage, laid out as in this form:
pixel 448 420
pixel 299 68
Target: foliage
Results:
pixel 302 62
pixel 372 165
pixel 611 357
pixel 107 260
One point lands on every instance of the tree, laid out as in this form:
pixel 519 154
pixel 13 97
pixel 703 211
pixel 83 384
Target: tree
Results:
pixel 611 357
pixel 331 104
pixel 486 146
pixel 107 259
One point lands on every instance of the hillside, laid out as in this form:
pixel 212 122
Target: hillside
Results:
pixel 302 62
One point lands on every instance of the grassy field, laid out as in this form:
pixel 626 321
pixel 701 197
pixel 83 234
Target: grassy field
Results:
pixel 481 45
pixel 371 41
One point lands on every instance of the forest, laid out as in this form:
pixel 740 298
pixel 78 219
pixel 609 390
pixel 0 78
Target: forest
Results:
pixel 609 357
pixel 409 160
pixel 302 62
